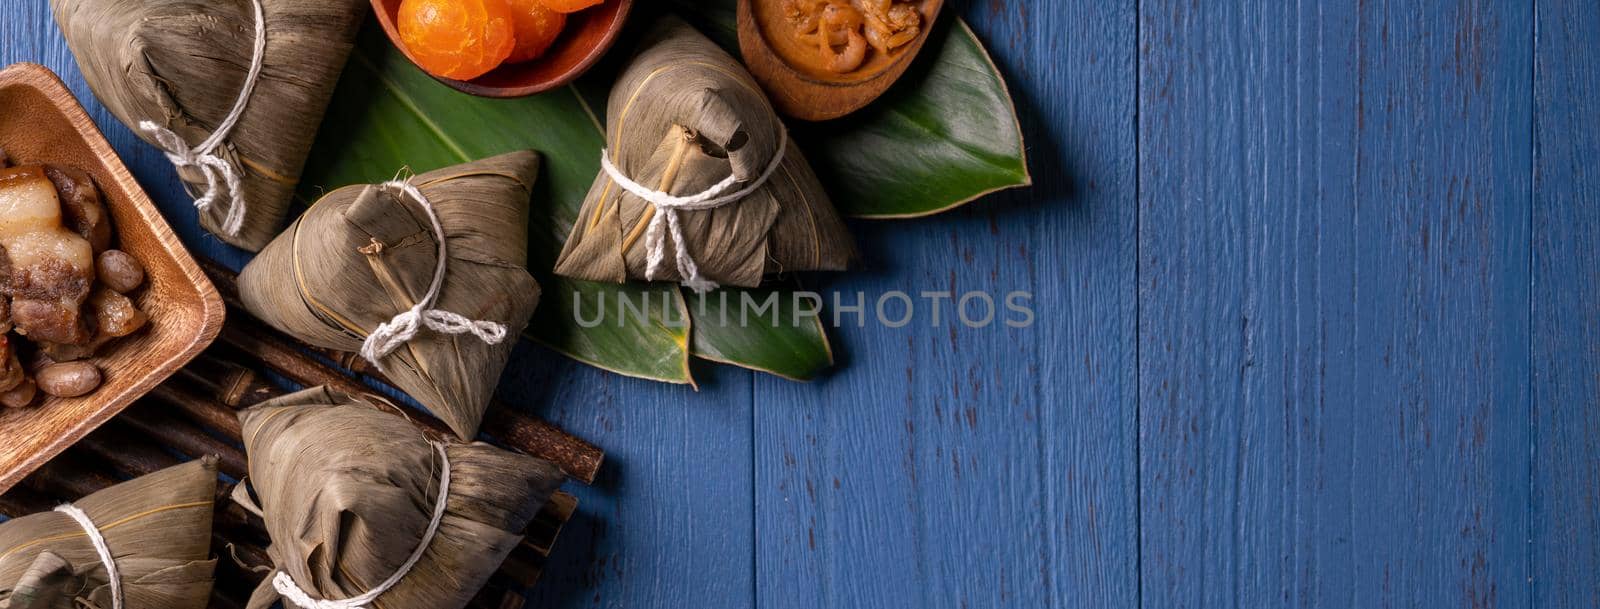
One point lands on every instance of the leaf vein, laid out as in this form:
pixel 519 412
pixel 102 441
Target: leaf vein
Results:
pixel 411 105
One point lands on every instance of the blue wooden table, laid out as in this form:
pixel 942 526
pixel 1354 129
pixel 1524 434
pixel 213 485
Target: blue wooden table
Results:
pixel 1318 325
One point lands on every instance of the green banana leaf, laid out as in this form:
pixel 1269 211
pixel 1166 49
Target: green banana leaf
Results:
pixel 386 114
pixel 945 135
pixel 761 329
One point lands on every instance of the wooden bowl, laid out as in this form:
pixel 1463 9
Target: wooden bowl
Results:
pixel 44 124
pixel 589 34
pixel 810 93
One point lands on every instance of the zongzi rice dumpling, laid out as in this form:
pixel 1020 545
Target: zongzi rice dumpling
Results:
pixel 700 184
pixel 366 270
pixel 232 90
pixel 360 505
pixel 156 530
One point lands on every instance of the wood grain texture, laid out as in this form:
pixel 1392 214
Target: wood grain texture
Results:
pixel 667 524
pixel 1316 327
pixel 1333 289
pixel 45 125
pixel 1565 561
pixel 808 94
pixel 946 466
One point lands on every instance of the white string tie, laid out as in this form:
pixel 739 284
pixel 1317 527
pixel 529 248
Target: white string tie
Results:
pixel 99 542
pixel 284 583
pixel 204 157
pixel 666 219
pixel 405 326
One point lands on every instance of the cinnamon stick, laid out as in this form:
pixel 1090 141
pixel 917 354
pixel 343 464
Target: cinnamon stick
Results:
pixel 234 386
pixel 22 501
pixel 114 445
pixel 200 410
pixel 577 458
pixel 497 594
pixel 185 438
pixel 531 435
pixel 548 523
pixel 66 479
pixel 510 593
pixel 513 600
pixel 523 571
pixel 118 447
pixel 246 387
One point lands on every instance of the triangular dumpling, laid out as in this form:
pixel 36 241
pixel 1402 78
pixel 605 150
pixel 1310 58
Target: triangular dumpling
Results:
pixel 324 282
pixel 182 65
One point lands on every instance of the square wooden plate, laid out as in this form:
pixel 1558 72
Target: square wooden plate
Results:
pixel 40 122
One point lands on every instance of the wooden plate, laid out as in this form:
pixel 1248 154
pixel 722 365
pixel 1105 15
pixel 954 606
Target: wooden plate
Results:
pixel 43 123
pixel 811 93
pixel 589 34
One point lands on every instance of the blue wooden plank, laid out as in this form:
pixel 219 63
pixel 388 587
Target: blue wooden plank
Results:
pixel 957 467
pixel 668 524
pixel 1566 308
pixel 1333 253
pixel 1333 303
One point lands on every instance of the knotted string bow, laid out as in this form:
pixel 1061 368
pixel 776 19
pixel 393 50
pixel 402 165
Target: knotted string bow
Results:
pixel 204 157
pixel 666 221
pixel 405 326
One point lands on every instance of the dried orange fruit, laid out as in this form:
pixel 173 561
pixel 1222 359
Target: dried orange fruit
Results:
pixel 537 28
pixel 459 39
pixel 569 6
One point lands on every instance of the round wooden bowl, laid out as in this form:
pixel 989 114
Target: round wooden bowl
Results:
pixel 589 34
pixel 811 94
